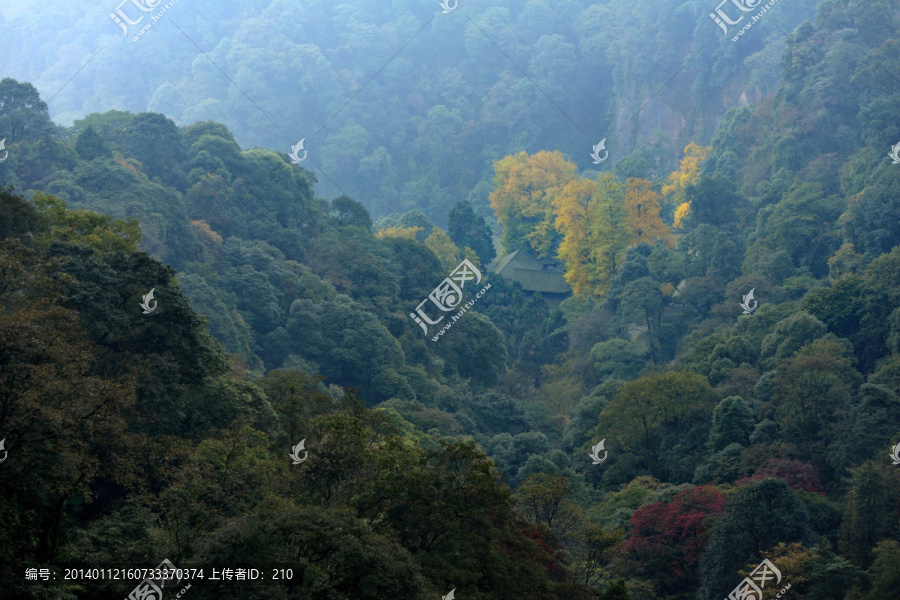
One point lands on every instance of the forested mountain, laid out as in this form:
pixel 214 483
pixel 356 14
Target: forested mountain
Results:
pixel 464 89
pixel 216 353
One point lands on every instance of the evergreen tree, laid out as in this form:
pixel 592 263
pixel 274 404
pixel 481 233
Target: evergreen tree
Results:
pixel 756 519
pixel 23 115
pixel 468 229
pixel 732 423
pixel 866 518
pixel 90 145
pixel 616 591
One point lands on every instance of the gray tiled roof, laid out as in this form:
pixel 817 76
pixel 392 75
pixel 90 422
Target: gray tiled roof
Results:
pixel 553 282
pixel 531 273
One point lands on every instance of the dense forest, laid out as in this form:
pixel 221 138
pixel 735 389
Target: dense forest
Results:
pixel 185 306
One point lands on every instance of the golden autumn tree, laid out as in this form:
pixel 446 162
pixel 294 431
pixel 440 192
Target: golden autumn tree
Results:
pixel 687 174
pixel 444 248
pixel 795 561
pixel 681 214
pixel 642 207
pixel 522 200
pixel 408 233
pixel 590 216
pixel 573 208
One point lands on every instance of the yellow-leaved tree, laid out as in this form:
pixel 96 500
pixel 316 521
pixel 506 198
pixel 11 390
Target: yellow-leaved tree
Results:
pixel 590 216
pixel 472 256
pixel 81 226
pixel 687 174
pixel 444 248
pixel 681 214
pixel 522 200
pixel 642 207
pixel 408 233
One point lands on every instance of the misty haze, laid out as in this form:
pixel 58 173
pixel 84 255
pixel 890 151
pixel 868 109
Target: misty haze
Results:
pixel 450 300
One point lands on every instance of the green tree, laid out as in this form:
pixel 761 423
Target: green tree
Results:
pixel 257 298
pixel 110 125
pixel 654 415
pixel 871 213
pixel 23 115
pixel 18 218
pixel 866 517
pixel 812 394
pixel 90 145
pixel 169 353
pixel 642 302
pixel 546 500
pixel 341 340
pixel 714 200
pixel 53 398
pixel 553 62
pixel 732 423
pixel 468 230
pixel 756 519
pixel 357 264
pixel 416 218
pixel 297 399
pixel 348 212
pixel 454 515
pixel 119 189
pixel 618 359
pixel 225 321
pixel 419 269
pixel 803 225
pixel 886 568
pixel 874 417
pixel 616 591
pixel 475 348
pixel 155 141
pixel 789 335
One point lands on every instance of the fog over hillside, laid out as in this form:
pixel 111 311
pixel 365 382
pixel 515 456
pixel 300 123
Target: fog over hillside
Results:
pixel 457 299
pixel 435 99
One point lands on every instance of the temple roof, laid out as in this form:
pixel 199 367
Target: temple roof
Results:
pixel 543 275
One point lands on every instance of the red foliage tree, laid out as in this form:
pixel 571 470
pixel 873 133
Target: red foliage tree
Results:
pixel 665 541
pixel 797 474
pixel 547 552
